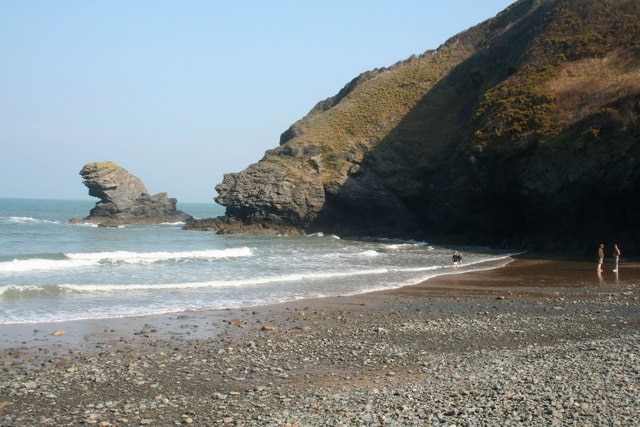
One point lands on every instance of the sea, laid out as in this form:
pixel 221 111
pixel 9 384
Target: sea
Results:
pixel 51 270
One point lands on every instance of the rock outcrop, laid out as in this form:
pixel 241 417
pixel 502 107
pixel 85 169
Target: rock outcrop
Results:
pixel 124 199
pixel 522 131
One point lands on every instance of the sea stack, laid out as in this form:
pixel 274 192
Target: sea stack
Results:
pixel 124 199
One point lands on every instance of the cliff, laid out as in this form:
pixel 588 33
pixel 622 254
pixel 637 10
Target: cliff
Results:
pixel 124 199
pixel 523 130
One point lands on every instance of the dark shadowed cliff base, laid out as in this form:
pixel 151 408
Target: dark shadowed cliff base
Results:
pixel 538 342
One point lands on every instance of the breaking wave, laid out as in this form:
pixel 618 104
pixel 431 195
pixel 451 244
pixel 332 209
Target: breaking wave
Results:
pixel 90 259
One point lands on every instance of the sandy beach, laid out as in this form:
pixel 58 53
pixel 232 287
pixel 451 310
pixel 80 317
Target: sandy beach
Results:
pixel 538 342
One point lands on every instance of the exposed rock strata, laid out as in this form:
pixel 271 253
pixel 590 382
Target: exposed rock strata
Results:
pixel 124 199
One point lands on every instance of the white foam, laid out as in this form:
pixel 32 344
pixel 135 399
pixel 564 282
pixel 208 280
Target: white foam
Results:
pixel 28 220
pixel 129 257
pixel 86 224
pixel 95 315
pixel 89 259
pixel 301 277
pixel 23 265
pixel 369 253
pixel 398 246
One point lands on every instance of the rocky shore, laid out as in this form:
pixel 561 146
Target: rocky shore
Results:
pixel 535 343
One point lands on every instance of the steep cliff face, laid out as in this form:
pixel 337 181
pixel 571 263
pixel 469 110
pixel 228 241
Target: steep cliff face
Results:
pixel 124 199
pixel 523 130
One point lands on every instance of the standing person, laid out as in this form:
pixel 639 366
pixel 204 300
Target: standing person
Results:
pixel 600 257
pixel 454 259
pixel 616 255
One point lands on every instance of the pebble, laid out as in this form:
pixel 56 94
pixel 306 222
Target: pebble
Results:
pixel 459 362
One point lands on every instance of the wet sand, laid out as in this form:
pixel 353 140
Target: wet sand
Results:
pixel 531 276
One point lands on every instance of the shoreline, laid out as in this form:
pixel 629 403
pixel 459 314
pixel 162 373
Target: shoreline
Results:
pixel 527 277
pixel 563 342
pixel 71 332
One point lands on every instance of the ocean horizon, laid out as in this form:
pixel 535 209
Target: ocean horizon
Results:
pixel 52 271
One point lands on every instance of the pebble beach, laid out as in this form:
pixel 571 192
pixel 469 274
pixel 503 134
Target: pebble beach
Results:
pixel 539 342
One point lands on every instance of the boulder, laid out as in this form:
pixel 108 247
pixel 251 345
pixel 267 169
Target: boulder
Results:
pixel 124 199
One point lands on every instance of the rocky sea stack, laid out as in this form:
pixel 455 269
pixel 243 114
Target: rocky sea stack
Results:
pixel 124 199
pixel 522 131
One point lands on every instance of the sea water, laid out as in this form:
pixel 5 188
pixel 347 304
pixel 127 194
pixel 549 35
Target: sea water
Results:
pixel 51 270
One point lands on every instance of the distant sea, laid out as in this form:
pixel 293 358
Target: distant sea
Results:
pixel 53 271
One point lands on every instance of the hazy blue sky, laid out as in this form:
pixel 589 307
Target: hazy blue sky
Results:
pixel 180 92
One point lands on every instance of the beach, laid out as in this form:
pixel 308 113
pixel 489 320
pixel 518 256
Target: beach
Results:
pixel 538 342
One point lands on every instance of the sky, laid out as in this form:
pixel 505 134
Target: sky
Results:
pixel 181 92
